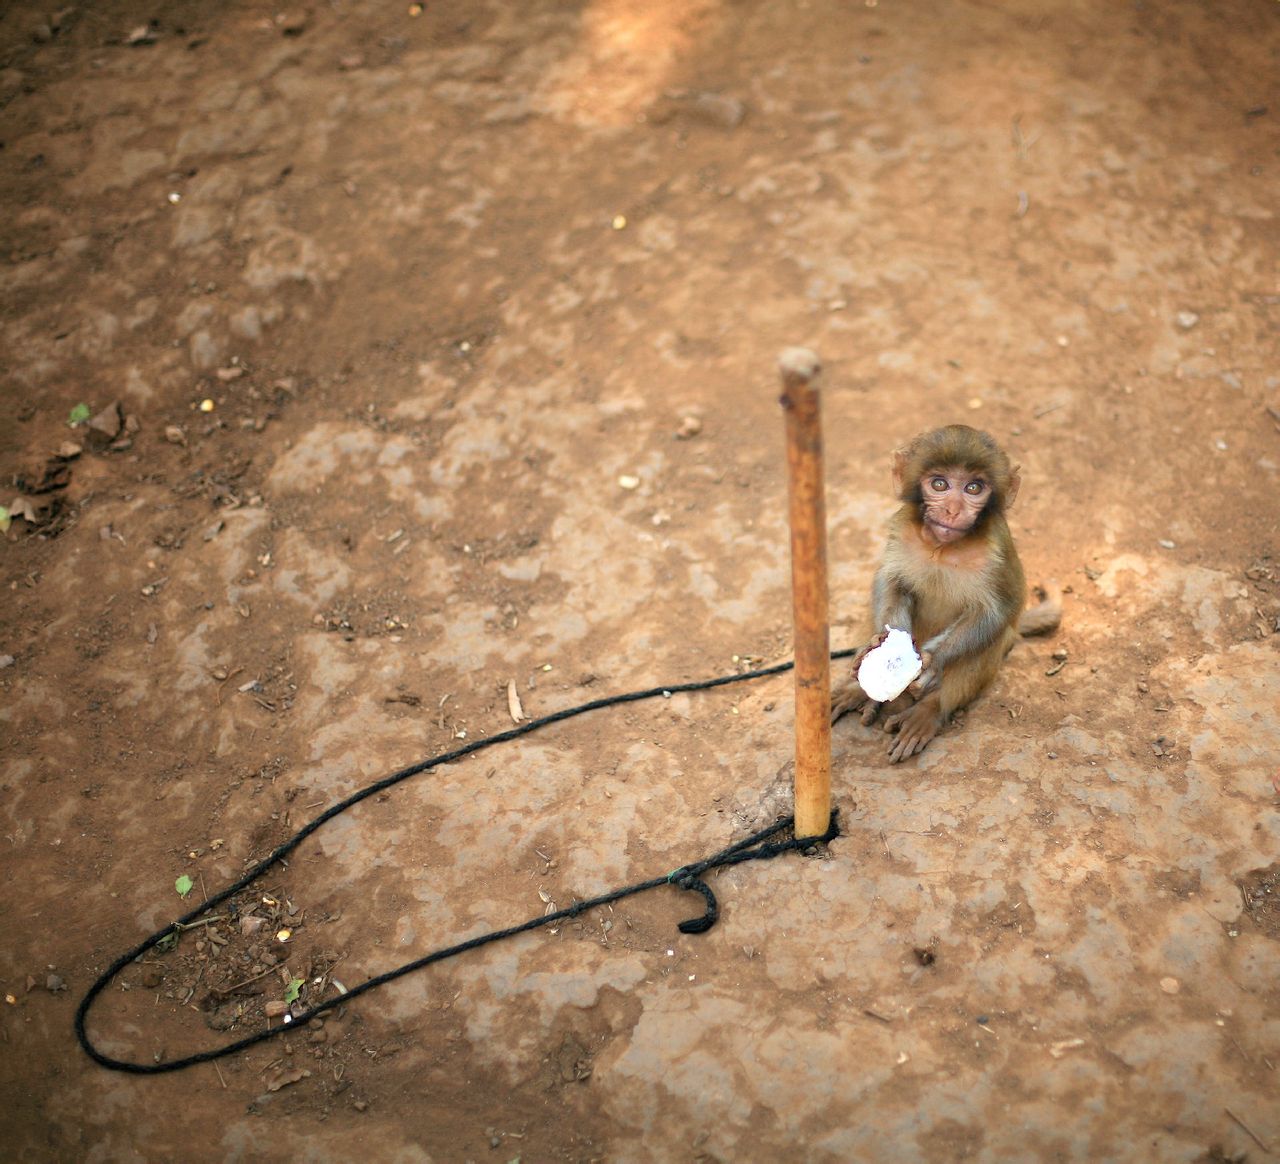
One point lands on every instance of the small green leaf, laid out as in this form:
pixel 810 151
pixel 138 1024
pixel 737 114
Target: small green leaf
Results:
pixel 294 989
pixel 184 885
pixel 79 414
pixel 5 519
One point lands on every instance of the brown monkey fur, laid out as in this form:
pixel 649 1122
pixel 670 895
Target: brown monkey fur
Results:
pixel 951 576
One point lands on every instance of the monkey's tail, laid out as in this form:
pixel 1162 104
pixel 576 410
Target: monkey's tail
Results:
pixel 1046 615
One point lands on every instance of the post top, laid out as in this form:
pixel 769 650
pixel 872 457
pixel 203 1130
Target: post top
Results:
pixel 799 364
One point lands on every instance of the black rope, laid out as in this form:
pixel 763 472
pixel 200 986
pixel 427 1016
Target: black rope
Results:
pixel 688 877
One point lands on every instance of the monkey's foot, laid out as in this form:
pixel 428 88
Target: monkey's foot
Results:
pixel 915 727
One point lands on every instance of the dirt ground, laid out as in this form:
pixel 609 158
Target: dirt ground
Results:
pixel 426 353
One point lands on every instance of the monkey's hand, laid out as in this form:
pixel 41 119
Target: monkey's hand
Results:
pixel 929 678
pixel 848 695
pixel 877 641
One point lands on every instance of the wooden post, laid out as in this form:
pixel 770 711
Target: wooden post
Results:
pixel 802 405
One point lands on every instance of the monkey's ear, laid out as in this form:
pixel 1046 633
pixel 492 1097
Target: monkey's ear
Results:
pixel 899 471
pixel 1015 483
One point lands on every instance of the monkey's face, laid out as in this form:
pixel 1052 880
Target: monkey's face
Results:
pixel 952 501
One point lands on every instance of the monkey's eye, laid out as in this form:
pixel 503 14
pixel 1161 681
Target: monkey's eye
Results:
pixel 938 484
pixel 975 488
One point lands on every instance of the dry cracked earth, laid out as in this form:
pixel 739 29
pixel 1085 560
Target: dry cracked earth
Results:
pixel 375 374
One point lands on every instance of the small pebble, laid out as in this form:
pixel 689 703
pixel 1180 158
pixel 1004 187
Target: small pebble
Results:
pixel 1170 985
pixel 1187 320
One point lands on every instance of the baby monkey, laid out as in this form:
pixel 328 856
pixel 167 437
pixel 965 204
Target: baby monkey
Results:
pixel 951 576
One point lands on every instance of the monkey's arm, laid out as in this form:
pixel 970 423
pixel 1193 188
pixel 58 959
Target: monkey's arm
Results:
pixel 974 633
pixel 892 603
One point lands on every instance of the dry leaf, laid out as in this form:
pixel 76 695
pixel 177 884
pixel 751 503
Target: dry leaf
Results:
pixel 285 1076
pixel 513 703
pixel 21 507
pixel 1057 1050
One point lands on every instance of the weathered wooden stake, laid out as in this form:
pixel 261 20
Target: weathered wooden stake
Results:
pixel 802 405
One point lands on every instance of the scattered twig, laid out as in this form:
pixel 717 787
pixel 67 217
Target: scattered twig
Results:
pixel 204 921
pixel 230 675
pixel 224 991
pixel 219 1071
pixel 191 990
pixel 1021 143
pixel 1048 408
pixel 1252 1134
pixel 878 1017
